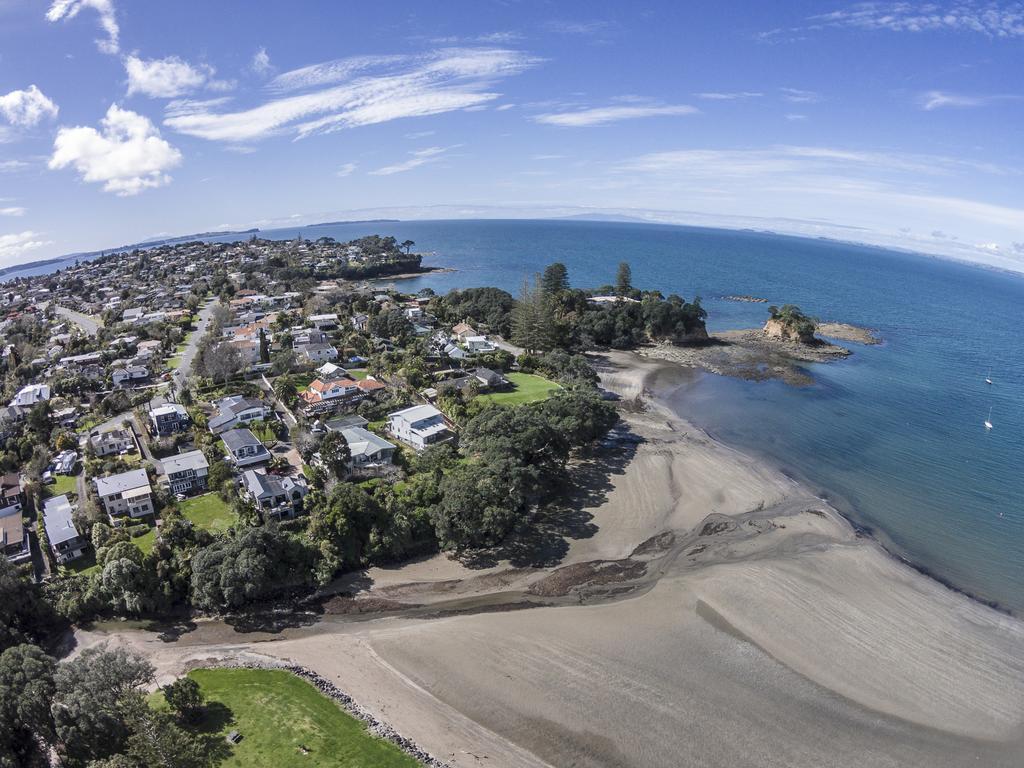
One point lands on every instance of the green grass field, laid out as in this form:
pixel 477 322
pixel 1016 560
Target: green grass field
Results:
pixel 173 362
pixel 278 716
pixel 357 373
pixel 145 541
pixel 208 512
pixel 65 484
pixel 526 388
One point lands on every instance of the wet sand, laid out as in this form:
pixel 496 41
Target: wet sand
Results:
pixel 696 608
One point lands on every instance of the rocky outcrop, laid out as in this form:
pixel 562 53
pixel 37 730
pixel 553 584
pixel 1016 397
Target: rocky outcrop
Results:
pixel 778 328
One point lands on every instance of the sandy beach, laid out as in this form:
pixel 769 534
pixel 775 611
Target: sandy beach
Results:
pixel 690 607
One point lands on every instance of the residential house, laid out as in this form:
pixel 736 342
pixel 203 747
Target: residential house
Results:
pixel 113 441
pixel 330 370
pixel 168 418
pixel 366 448
pixel 339 423
pixel 463 331
pixel 144 350
pixel 316 353
pixel 478 344
pixel 122 377
pixel 186 472
pixel 30 396
pixel 127 493
pixel 12 495
pixel 65 541
pixel 419 426
pixel 244 448
pixel 14 541
pixel 322 395
pixel 303 336
pixel 236 409
pixel 64 462
pixel 360 322
pixel 274 495
pixel 327 322
pixel 248 350
pixel 133 315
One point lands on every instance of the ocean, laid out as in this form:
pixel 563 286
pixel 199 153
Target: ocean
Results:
pixel 893 435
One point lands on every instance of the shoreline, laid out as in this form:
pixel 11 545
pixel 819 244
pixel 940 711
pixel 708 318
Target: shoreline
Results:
pixel 761 624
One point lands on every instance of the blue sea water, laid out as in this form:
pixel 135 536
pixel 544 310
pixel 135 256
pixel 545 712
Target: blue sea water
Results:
pixel 893 434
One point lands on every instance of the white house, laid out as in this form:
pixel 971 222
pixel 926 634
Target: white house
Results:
pixel 186 472
pixel 366 448
pixel 419 426
pixel 112 441
pixel 275 495
pixel 132 373
pixel 477 344
pixel 326 322
pixel 317 353
pixel 234 410
pixel 65 541
pixel 29 396
pixel 244 448
pixel 127 493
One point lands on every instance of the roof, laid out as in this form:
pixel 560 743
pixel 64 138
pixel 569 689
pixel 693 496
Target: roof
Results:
pixel 12 530
pixel 344 422
pixel 169 408
pixel 57 519
pixel 239 438
pixel 260 484
pixel 125 481
pixel 185 461
pixel 416 413
pixel 362 442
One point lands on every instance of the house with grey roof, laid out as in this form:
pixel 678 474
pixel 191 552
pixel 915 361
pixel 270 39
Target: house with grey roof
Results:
pixel 274 495
pixel 244 448
pixel 419 426
pixel 236 410
pixel 186 472
pixel 168 418
pixel 14 541
pixel 126 493
pixel 366 448
pixel 66 542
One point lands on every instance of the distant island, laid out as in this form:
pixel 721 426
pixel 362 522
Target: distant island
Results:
pixel 748 299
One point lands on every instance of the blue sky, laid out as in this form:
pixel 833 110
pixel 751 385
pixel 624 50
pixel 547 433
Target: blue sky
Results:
pixel 889 123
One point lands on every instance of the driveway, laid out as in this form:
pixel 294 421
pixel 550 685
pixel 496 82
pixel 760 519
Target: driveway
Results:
pixel 87 323
pixel 188 354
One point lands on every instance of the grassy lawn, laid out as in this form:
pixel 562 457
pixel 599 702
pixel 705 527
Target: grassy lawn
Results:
pixel 278 714
pixel 173 362
pixel 526 388
pixel 85 565
pixel 65 484
pixel 145 541
pixel 262 431
pixel 357 373
pixel 209 512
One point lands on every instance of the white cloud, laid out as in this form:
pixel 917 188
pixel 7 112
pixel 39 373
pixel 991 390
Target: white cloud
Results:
pixel 14 210
pixel 260 63
pixel 168 78
pixel 728 95
pixel 127 155
pixel 14 246
pixel 932 100
pixel 585 118
pixel 795 117
pixel 798 96
pixel 9 166
pixel 68 9
pixel 419 157
pixel 26 108
pixel 993 19
pixel 344 94
pixel 346 170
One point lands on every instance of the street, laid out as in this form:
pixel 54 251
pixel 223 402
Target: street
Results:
pixel 88 324
pixel 181 374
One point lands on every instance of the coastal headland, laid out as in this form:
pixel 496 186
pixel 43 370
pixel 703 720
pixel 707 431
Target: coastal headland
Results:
pixel 684 604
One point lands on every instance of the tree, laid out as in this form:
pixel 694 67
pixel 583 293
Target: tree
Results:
pixel 340 526
pixel 264 347
pixel 407 244
pixel 391 324
pixel 624 279
pixel 26 690
pixel 89 693
pixel 532 317
pixel 222 361
pixel 184 698
pixel 24 617
pixel 555 279
pixel 579 414
pixel 285 391
pixel 335 454
pixel 479 505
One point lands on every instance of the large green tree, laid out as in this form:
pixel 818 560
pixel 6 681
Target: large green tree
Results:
pixel 555 278
pixel 624 279
pixel 26 690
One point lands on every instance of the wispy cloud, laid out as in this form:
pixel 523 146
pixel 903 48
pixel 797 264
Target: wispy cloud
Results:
pixel 14 210
pixel 345 170
pixel 594 116
pixel 419 157
pixel 941 99
pixel 364 91
pixel 9 166
pixel 127 154
pixel 260 63
pixel 15 246
pixel 26 108
pixel 793 117
pixel 170 77
pixel 799 96
pixel 68 9
pixel 728 95
pixel 994 19
pixel 579 28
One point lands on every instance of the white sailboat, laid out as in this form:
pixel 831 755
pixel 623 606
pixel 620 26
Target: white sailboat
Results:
pixel 988 421
pixel 988 379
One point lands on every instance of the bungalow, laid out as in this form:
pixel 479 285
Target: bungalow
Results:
pixel 340 423
pixel 274 495
pixel 64 462
pixel 12 495
pixel 168 418
pixel 124 376
pixel 30 396
pixel 14 541
pixel 127 493
pixel 236 409
pixel 112 441
pixel 478 344
pixel 366 448
pixel 303 336
pixel 419 426
pixel 65 541
pixel 186 472
pixel 323 394
pixel 323 322
pixel 133 315
pixel 317 353
pixel 463 331
pixel 330 370
pixel 360 322
pixel 244 448
pixel 146 349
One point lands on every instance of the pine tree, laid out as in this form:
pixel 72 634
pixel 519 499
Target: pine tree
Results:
pixel 624 279
pixel 555 279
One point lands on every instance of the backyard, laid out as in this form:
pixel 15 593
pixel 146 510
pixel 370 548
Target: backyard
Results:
pixel 283 720
pixel 526 388
pixel 209 512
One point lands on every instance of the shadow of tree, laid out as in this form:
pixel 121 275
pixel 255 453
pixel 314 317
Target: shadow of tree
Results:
pixel 210 729
pixel 275 621
pixel 542 541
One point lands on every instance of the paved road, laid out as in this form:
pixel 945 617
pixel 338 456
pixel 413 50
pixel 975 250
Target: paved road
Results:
pixel 183 370
pixel 88 324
